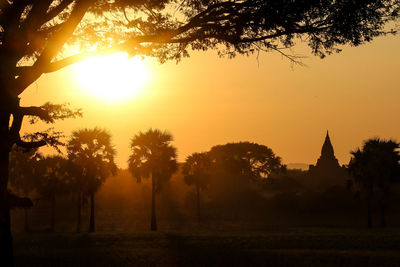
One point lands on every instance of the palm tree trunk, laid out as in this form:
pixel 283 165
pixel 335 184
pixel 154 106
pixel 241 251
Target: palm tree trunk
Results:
pixel 91 224
pixel 369 211
pixel 153 224
pixel 26 224
pixel 53 213
pixel 382 213
pixel 198 202
pixel 78 226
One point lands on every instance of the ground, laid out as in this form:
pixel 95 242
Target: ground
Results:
pixel 273 247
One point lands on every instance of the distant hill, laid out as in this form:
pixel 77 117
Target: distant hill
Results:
pixel 302 166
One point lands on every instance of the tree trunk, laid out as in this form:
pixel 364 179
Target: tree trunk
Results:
pixel 8 101
pixel 91 223
pixel 153 226
pixel 26 225
pixel 382 213
pixel 369 211
pixel 198 202
pixel 53 213
pixel 6 248
pixel 78 226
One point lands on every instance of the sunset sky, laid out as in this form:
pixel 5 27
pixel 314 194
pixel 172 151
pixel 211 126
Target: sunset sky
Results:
pixel 205 100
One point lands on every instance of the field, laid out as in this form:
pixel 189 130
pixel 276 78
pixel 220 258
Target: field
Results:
pixel 272 247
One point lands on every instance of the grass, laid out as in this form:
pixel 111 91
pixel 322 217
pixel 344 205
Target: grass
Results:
pixel 273 247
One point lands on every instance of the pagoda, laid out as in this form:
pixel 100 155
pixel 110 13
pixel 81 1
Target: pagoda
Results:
pixel 327 172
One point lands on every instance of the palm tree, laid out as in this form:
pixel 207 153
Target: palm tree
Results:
pixel 153 156
pixel 375 167
pixel 91 151
pixel 22 173
pixel 195 171
pixel 54 180
pixel 78 185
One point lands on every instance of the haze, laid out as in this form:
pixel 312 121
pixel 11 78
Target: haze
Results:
pixel 205 101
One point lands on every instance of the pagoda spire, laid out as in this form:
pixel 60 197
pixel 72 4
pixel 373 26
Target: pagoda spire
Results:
pixel 327 148
pixel 327 171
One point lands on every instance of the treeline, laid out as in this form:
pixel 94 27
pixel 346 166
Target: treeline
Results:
pixel 234 182
pixel 80 173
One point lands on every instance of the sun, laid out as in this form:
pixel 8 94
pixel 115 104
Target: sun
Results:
pixel 113 78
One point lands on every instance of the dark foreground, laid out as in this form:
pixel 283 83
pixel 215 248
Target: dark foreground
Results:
pixel 274 247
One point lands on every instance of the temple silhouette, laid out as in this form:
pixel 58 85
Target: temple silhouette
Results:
pixel 327 172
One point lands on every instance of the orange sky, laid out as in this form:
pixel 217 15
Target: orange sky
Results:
pixel 205 101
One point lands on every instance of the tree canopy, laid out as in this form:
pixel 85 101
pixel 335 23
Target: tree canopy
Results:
pixel 152 156
pixel 377 164
pixel 53 176
pixel 196 170
pixel 35 34
pixel 374 168
pixel 248 160
pixel 92 152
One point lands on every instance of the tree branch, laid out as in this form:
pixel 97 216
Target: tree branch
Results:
pixel 49 137
pixel 35 111
pixel 15 201
pixel 48 112
pixel 132 47
pixel 62 63
pixel 55 43
pixel 55 11
pixel 30 145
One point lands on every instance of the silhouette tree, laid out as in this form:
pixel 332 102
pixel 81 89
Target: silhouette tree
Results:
pixel 10 137
pixel 35 36
pixel 247 160
pixel 286 181
pixel 23 172
pixel 153 156
pixel 195 171
pixel 78 189
pixel 239 170
pixel 375 167
pixel 53 180
pixel 91 151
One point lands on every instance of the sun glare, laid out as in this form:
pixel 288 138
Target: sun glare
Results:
pixel 113 78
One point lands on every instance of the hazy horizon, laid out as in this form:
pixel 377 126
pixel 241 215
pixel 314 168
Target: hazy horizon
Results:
pixel 205 101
